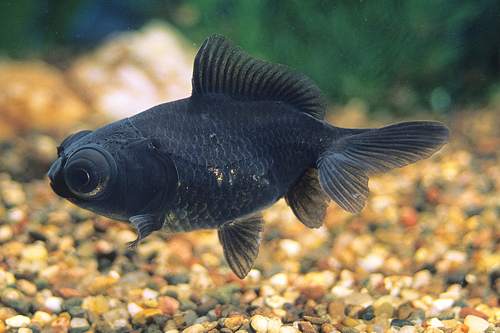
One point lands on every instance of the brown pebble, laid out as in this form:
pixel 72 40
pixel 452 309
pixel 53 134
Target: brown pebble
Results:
pixel 327 328
pixel 306 327
pixel 350 322
pixel 465 311
pixel 461 328
pixel 209 325
pixel 67 293
pixel 354 311
pixel 313 291
pixel 233 323
pixel 433 194
pixel 179 321
pixel 408 216
pixel 316 320
pixel 290 318
pixel 168 304
pixel 101 284
pixel 386 308
pixel 404 311
pixel 336 309
pixel 60 325
pixel 265 312
pixel 225 330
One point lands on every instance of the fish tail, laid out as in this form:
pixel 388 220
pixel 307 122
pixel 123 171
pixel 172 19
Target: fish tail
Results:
pixel 343 169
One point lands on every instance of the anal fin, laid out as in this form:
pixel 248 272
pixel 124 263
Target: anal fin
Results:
pixel 145 225
pixel 307 199
pixel 240 240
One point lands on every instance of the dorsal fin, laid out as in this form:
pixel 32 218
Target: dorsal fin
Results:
pixel 220 67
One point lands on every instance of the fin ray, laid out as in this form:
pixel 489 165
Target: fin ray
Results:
pixel 240 240
pixel 145 225
pixel 343 172
pixel 220 67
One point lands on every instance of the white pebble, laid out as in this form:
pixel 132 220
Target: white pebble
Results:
pixel 15 215
pixel 288 329
pixel 279 281
pixel 290 248
pixel 421 279
pixel 18 321
pixel 25 330
pixel 133 309
pixel 371 262
pixel 434 322
pixel 274 301
pixel 122 322
pixel 259 323
pixel 476 324
pixel 6 278
pixel 274 325
pixel 442 304
pixel 196 328
pixel 408 329
pixel 42 317
pixel 6 233
pixel 341 291
pixel 79 322
pixel 54 303
pixel 149 293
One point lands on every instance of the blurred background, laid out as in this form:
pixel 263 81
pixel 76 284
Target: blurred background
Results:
pixel 395 56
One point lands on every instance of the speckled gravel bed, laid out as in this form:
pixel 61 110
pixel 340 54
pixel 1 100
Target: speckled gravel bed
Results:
pixel 421 257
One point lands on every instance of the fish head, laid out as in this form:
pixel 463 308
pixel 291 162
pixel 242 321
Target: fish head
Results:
pixel 113 176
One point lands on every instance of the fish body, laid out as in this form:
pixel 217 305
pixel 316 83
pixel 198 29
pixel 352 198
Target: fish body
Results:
pixel 252 132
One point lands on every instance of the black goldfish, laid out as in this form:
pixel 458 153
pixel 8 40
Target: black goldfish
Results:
pixel 251 133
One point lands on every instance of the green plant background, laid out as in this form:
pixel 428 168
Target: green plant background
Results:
pixel 397 56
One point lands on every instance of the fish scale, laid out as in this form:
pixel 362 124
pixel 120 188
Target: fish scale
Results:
pixel 252 132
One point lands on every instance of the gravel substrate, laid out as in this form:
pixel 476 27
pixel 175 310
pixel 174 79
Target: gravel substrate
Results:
pixel 423 255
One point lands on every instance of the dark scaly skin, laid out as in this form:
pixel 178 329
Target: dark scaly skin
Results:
pixel 233 158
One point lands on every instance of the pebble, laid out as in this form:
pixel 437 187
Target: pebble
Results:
pixel 43 318
pixel 476 324
pixel 78 325
pixel 233 323
pixel 35 252
pixel 168 305
pixel 306 327
pixel 61 324
pixel 141 317
pixel 288 329
pixel 6 233
pixel 466 311
pixel 18 321
pixel 24 330
pixel 196 328
pixel 408 329
pixel 259 324
pixel 54 304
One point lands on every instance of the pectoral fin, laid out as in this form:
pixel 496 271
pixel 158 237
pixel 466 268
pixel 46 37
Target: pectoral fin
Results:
pixel 145 225
pixel 240 241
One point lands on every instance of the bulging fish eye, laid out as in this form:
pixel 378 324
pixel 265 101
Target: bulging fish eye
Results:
pixel 88 172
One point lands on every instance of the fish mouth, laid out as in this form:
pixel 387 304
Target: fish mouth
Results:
pixel 57 181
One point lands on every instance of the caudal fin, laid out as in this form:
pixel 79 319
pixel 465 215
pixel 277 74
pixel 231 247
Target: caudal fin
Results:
pixel 343 170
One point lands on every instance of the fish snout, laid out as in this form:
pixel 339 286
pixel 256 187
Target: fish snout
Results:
pixel 54 170
pixel 57 181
